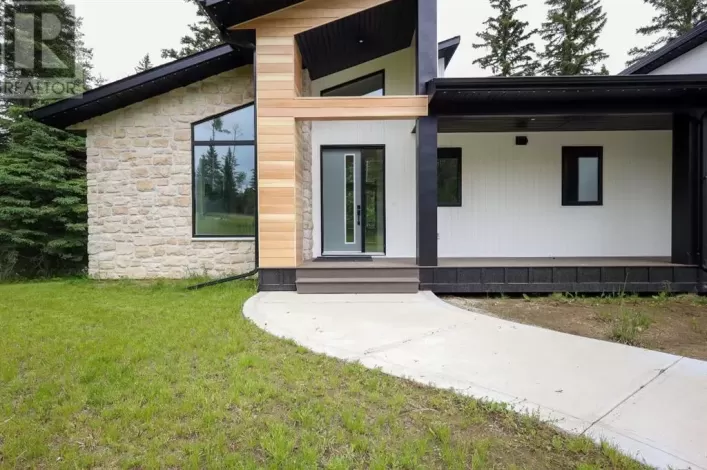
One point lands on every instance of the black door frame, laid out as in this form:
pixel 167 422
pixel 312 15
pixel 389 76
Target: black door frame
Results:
pixel 322 149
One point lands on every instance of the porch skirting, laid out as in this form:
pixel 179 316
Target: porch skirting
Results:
pixel 524 275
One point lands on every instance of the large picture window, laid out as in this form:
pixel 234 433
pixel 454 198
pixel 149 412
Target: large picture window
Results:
pixel 224 177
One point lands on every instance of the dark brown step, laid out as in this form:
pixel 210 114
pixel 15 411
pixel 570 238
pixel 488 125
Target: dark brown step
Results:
pixel 349 273
pixel 353 285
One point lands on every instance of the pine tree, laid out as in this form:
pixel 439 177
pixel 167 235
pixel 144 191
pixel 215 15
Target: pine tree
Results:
pixel 230 189
pixel 571 33
pixel 672 19
pixel 144 65
pixel 68 50
pixel 203 36
pixel 42 200
pixel 510 50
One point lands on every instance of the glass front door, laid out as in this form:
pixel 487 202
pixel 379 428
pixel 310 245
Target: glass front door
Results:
pixel 353 201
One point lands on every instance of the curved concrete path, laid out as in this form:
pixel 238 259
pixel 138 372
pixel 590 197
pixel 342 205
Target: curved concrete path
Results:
pixel 651 405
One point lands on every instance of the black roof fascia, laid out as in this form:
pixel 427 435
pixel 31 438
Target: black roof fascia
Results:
pixel 671 51
pixel 447 48
pixel 130 90
pixel 577 94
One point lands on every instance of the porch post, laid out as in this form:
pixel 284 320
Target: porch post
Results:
pixel 703 194
pixel 685 189
pixel 426 161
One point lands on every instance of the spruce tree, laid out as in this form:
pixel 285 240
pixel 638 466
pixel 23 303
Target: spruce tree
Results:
pixel 672 19
pixel 508 42
pixel 203 35
pixel 571 33
pixel 144 65
pixel 42 199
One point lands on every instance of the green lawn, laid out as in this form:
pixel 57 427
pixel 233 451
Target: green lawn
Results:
pixel 225 224
pixel 144 375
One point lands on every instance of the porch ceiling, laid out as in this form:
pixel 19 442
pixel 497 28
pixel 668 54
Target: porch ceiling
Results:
pixel 567 123
pixel 533 96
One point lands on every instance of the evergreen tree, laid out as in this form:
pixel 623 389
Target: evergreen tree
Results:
pixel 510 49
pixel 571 33
pixel 203 35
pixel 672 19
pixel 69 49
pixel 42 199
pixel 230 189
pixel 144 65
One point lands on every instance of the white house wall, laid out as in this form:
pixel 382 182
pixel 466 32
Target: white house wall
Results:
pixel 399 144
pixel 512 200
pixel 694 61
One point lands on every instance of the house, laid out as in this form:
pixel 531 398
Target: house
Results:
pixel 322 146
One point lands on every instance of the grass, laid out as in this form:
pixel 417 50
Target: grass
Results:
pixel 225 224
pixel 628 326
pixel 148 375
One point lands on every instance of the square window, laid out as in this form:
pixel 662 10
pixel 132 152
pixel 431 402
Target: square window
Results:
pixel 449 177
pixel 582 176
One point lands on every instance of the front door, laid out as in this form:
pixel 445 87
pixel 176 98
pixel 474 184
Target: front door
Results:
pixel 353 201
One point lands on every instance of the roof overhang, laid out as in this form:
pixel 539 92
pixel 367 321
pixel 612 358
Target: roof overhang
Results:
pixel 578 95
pixel 142 86
pixel 447 48
pixel 670 51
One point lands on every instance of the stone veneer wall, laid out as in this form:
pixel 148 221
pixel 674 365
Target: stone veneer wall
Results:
pixel 140 185
pixel 304 141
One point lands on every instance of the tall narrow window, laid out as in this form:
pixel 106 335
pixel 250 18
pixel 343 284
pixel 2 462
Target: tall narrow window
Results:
pixel 582 176
pixel 350 188
pixel 368 85
pixel 449 177
pixel 224 178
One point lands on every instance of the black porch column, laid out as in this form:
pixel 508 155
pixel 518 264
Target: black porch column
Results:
pixel 686 182
pixel 703 193
pixel 426 161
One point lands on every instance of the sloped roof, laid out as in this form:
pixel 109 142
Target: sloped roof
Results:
pixel 670 51
pixel 142 86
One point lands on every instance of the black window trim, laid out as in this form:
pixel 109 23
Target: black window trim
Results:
pixel 216 143
pixel 570 152
pixel 357 79
pixel 451 153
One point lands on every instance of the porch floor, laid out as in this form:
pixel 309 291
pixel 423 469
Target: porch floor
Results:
pixel 496 263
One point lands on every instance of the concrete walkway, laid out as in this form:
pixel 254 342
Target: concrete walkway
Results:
pixel 651 405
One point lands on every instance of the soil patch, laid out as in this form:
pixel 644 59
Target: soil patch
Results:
pixel 672 324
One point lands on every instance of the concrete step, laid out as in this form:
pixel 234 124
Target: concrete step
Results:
pixel 354 285
pixel 355 272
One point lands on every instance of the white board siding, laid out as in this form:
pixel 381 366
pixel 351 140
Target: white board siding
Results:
pixel 512 200
pixel 694 61
pixel 395 136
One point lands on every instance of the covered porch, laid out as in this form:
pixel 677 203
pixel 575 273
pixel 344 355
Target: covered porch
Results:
pixel 531 212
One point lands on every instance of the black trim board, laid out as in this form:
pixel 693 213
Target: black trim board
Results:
pixel 670 51
pixel 354 80
pixel 539 96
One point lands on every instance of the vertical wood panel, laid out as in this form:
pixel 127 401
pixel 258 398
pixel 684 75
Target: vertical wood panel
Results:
pixel 277 160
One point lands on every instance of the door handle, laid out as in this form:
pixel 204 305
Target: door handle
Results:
pixel 358 215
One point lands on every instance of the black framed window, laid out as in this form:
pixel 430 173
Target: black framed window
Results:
pixel 449 177
pixel 368 85
pixel 224 177
pixel 582 175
